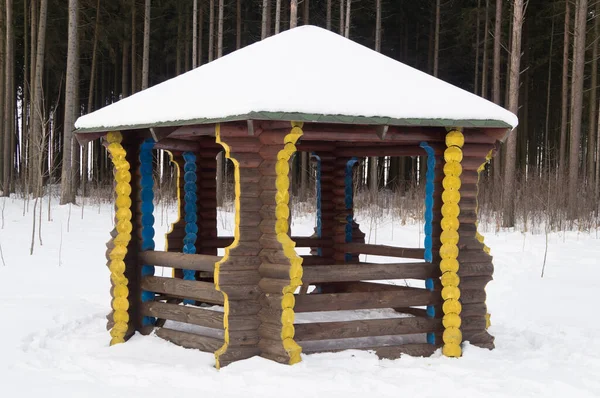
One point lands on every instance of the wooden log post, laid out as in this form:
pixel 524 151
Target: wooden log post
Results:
pixel 241 295
pixel 277 314
pixel 207 195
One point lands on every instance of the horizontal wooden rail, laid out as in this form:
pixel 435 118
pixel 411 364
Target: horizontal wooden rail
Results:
pixel 381 250
pixel 406 297
pixel 190 340
pixel 365 328
pixel 179 288
pixel 357 272
pixel 384 352
pixel 179 313
pixel 195 262
pixel 301 241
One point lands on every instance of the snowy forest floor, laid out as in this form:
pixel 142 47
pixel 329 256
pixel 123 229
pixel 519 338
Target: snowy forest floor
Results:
pixel 53 341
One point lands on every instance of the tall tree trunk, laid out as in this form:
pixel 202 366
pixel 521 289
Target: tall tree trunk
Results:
pixel 546 150
pixel 200 30
pixel 477 41
pixel 496 94
pixel 265 19
pixel 195 34
pixel 306 12
pixel 3 89
pixel 347 23
pixel 513 106
pixel 565 93
pixel 592 107
pixel 220 30
pixel 484 71
pixel 38 134
pixel 33 29
pixel 373 172
pixel 328 15
pixel 9 98
pixel 293 13
pixel 277 16
pixel 342 19
pixel 67 193
pixel 238 24
pixel 577 102
pixel 211 30
pixel 436 51
pixel 178 51
pixel 133 47
pixel 146 53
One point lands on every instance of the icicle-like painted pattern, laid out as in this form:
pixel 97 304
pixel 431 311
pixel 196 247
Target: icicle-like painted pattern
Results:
pixel 282 210
pixel 453 156
pixel 120 303
pixel 190 209
pixel 147 210
pixel 319 205
pixel 480 238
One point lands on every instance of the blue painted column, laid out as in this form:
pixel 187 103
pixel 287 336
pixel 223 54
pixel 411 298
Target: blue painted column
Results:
pixel 147 210
pixel 190 212
pixel 428 229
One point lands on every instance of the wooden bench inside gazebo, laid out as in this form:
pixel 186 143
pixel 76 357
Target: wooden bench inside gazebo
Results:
pixel 304 90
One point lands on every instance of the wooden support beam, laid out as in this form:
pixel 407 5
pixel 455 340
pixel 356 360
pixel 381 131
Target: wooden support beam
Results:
pixel 195 262
pixel 172 144
pixel 389 150
pixel 366 328
pixel 179 313
pixel 179 288
pixel 357 272
pixel 190 340
pixel 381 250
pixel 372 300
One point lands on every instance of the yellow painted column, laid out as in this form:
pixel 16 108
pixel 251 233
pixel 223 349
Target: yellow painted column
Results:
pixel 282 225
pixel 120 302
pixel 449 265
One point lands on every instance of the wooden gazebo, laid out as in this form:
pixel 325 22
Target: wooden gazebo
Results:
pixel 308 90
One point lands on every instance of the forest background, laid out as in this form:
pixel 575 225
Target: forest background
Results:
pixel 60 59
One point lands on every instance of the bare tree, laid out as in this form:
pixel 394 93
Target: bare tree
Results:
pixel 9 99
pixel 328 15
pixel 211 30
pixel 265 19
pixel 373 159
pixel 484 69
pixel 513 106
pixel 133 47
pixel 293 13
pixel 277 16
pixel 565 92
pixel 347 23
pixel 477 41
pixel 3 89
pixel 195 34
pixel 238 25
pixel 306 11
pixel 592 107
pixel 220 30
pixel 342 19
pixel 67 193
pixel 146 53
pixel 497 46
pixel 436 51
pixel 577 100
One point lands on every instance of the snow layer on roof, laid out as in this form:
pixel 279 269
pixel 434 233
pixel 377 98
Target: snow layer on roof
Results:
pixel 305 70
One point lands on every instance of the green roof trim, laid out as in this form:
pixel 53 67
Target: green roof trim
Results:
pixel 305 117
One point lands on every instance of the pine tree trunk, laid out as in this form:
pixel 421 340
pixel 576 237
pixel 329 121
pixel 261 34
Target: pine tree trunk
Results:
pixel 592 107
pixel 146 52
pixel 200 36
pixel 496 94
pixel 220 30
pixel 306 12
pixel 33 28
pixel 133 48
pixel 277 16
pixel 477 40
pixel 195 34
pixel 577 102
pixel 211 30
pixel 125 69
pixel 293 13
pixel 484 71
pixel 66 185
pixel 3 89
pixel 347 23
pixel 342 19
pixel 436 51
pixel 238 24
pixel 9 98
pixel 565 93
pixel 328 15
pixel 38 133
pixel 265 20
pixel 513 106
pixel 178 52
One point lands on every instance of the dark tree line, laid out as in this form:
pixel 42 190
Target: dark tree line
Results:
pixel 61 59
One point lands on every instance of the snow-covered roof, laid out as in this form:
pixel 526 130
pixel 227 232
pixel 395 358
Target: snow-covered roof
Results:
pixel 307 73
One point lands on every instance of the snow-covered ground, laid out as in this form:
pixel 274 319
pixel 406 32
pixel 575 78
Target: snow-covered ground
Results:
pixel 53 341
